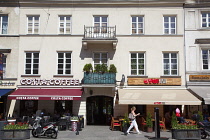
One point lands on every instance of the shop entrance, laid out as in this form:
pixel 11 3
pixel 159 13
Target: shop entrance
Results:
pixel 99 110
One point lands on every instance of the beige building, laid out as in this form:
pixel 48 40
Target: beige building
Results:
pixel 144 40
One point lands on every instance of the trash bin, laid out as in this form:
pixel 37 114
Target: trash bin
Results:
pixel 73 125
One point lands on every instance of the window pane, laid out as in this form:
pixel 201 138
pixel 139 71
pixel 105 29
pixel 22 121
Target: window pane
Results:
pixel 68 60
pixel 205 67
pixel 173 55
pixel 133 19
pixel 68 72
pixel 36 60
pixel 166 19
pixel 36 55
pixel 133 72
pixel 141 72
pixel 60 55
pixel 35 66
pixel 174 72
pixel 166 72
pixel 166 55
pixel 60 71
pixel 140 19
pixel 166 25
pixel 60 66
pixel 96 19
pixel 28 65
pixel 104 19
pixel 35 71
pixel 96 55
pixel 133 66
pixel 68 66
pixel 28 71
pixel 133 61
pixel 172 19
pixel 133 55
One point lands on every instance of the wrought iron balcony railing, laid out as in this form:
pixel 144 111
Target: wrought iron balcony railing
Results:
pixel 91 32
pixel 99 78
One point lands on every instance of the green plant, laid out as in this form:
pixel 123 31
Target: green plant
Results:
pixel 88 67
pixel 101 68
pixel 126 120
pixel 185 126
pixel 112 69
pixel 149 122
pixel 200 116
pixel 97 68
pixel 104 68
pixel 174 122
pixel 11 126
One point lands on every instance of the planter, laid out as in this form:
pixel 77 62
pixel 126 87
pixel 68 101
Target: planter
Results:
pixel 186 134
pixel 149 129
pixel 125 128
pixel 15 134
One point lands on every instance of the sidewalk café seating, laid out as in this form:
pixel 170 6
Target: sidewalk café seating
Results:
pixel 143 123
pixel 115 122
pixel 63 124
pixel 162 124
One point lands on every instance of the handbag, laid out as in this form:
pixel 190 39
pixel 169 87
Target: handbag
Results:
pixel 131 116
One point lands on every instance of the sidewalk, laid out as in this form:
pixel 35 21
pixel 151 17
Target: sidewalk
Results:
pixel 102 133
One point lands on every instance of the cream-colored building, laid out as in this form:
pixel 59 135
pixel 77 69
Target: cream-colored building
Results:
pixel 144 40
pixel 197 23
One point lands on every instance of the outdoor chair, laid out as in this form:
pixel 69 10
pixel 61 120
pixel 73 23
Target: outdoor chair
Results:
pixel 162 124
pixel 143 124
pixel 114 123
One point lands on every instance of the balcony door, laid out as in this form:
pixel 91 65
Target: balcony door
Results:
pixel 99 110
pixel 100 26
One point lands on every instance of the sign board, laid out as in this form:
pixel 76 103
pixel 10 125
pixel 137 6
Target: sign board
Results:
pixel 154 81
pixel 199 78
pixel 43 98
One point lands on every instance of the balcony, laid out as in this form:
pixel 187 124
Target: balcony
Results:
pixel 106 79
pixel 99 34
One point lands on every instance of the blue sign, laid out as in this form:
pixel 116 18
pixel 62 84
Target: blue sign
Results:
pixel 1 65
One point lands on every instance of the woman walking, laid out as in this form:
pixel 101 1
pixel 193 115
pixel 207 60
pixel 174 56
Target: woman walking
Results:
pixel 132 117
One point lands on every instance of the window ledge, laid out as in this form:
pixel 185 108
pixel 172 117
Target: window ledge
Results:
pixel 64 75
pixel 137 76
pixel 9 78
pixel 30 75
pixel 170 76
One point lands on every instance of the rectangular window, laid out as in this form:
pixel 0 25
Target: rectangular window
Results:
pixel 100 24
pixel 170 63
pixel 206 19
pixel 137 24
pixel 32 63
pixel 64 63
pixel 100 58
pixel 65 24
pixel 169 24
pixel 137 63
pixel 205 59
pixel 33 24
pixel 3 24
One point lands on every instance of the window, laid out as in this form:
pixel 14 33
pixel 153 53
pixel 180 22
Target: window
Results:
pixel 205 59
pixel 33 24
pixel 64 63
pixel 65 25
pixel 100 58
pixel 206 19
pixel 137 63
pixel 137 24
pixel 169 24
pixel 3 24
pixel 32 63
pixel 170 64
pixel 100 24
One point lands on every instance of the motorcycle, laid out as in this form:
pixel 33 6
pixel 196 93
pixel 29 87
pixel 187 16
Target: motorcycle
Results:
pixel 40 128
pixel 205 129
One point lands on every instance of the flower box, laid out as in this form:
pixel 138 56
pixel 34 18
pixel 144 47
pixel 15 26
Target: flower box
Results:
pixel 15 134
pixel 186 134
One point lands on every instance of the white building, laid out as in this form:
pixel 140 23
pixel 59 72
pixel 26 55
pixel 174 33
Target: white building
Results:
pixel 144 40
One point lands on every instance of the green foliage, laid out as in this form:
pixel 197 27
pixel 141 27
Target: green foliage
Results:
pixel 101 68
pixel 97 68
pixel 112 69
pixel 174 122
pixel 126 120
pixel 11 126
pixel 75 118
pixel 104 68
pixel 200 116
pixel 149 122
pixel 185 126
pixel 88 67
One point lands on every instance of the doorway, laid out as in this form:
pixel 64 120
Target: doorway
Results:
pixel 99 110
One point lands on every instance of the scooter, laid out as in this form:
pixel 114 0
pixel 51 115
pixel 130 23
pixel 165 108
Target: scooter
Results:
pixel 44 129
pixel 205 131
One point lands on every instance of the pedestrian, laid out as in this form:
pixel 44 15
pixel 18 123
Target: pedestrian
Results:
pixel 132 117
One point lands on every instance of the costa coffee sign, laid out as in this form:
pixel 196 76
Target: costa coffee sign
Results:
pixel 50 82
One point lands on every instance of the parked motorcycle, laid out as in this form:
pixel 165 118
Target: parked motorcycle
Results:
pixel 40 128
pixel 205 129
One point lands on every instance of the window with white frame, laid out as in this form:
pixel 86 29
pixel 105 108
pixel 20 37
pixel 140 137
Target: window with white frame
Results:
pixel 64 63
pixel 32 63
pixel 137 63
pixel 205 19
pixel 33 24
pixel 169 24
pixel 137 24
pixel 3 24
pixel 170 63
pixel 100 24
pixel 205 59
pixel 100 58
pixel 64 24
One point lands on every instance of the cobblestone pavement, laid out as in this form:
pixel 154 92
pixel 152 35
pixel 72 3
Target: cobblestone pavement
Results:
pixel 103 133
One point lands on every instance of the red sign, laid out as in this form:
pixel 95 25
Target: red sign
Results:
pixel 154 81
pixel 157 103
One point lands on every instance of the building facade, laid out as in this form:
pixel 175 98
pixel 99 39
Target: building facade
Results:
pixel 56 39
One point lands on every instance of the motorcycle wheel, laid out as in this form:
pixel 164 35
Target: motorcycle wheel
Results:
pixel 34 133
pixel 203 134
pixel 54 134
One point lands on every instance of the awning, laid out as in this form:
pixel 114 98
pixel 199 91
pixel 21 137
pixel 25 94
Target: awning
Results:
pixel 4 91
pixel 46 94
pixel 157 96
pixel 202 92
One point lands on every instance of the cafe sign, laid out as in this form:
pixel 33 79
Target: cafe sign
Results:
pixel 199 78
pixel 49 82
pixel 45 98
pixel 153 81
